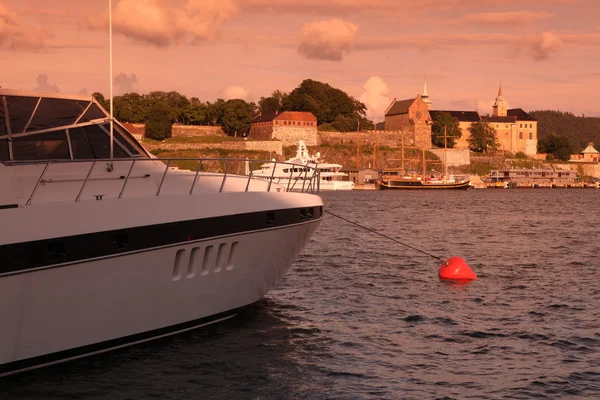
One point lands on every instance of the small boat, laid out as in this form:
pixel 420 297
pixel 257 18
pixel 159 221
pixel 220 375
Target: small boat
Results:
pixel 292 174
pixel 415 184
pixel 415 181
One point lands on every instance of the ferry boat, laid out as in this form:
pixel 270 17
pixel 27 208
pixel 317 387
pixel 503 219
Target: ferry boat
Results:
pixel 521 178
pixel 103 246
pixel 293 174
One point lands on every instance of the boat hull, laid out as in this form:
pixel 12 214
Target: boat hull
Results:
pixel 419 185
pixel 56 314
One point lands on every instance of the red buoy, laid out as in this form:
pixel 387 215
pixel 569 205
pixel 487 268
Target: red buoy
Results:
pixel 457 269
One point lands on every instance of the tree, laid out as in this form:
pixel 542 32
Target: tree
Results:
pixel 483 137
pixel 274 103
pixel 196 112
pixel 237 117
pixel 215 112
pixel 445 120
pixel 159 123
pixel 560 146
pixel 100 99
pixel 130 107
pixel 324 101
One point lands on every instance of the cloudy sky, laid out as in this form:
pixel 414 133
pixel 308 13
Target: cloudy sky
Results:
pixel 546 53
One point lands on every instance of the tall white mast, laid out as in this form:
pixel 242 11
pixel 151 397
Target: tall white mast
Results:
pixel 111 75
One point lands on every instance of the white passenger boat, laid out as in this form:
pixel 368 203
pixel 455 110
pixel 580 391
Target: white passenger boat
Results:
pixel 97 253
pixel 293 177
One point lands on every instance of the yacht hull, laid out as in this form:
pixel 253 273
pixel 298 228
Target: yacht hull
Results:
pixel 56 314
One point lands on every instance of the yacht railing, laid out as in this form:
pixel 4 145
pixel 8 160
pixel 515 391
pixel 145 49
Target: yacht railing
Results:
pixel 309 181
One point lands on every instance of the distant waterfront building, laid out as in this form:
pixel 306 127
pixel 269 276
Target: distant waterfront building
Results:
pixel 516 130
pixel 411 118
pixel 134 131
pixel 287 126
pixel 465 119
pixel 589 154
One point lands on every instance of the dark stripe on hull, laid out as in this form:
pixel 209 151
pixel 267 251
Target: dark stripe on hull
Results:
pixel 21 257
pixel 393 185
pixel 96 348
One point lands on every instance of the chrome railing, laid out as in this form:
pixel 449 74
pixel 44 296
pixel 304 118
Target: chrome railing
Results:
pixel 309 181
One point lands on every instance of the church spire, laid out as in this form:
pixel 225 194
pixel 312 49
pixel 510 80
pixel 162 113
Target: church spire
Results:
pixel 425 95
pixel 500 90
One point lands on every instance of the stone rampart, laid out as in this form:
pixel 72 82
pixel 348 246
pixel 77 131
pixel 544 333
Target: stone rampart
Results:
pixel 454 157
pixel 382 138
pixel 272 146
pixel 291 135
pixel 190 130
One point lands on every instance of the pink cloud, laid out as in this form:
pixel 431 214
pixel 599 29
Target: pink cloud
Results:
pixel 15 36
pixel 512 18
pixel 547 44
pixel 162 23
pixel 378 6
pixel 327 40
pixel 235 92
pixel 375 97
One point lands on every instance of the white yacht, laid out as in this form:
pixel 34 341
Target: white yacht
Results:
pixel 293 176
pixel 100 252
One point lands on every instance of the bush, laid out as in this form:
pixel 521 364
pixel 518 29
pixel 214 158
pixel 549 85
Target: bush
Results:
pixel 550 157
pixel 521 155
pixel 159 123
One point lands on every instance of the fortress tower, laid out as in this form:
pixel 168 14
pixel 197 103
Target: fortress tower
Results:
pixel 500 105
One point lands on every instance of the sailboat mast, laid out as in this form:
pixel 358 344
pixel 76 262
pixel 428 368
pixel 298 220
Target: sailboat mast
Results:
pixel 445 161
pixel 357 143
pixel 110 72
pixel 402 153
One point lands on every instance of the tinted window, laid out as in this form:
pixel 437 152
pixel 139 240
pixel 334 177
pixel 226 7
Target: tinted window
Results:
pixel 52 113
pixel 81 146
pixel 4 150
pixel 94 112
pixel 100 143
pixel 46 146
pixel 3 130
pixel 19 111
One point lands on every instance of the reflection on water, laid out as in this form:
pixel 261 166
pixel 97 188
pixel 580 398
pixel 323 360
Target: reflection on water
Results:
pixel 359 317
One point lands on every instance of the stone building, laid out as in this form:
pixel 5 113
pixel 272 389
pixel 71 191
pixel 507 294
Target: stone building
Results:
pixel 589 154
pixel 287 126
pixel 411 118
pixel 516 130
pixel 465 119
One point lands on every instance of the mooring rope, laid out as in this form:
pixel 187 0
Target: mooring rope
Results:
pixel 385 236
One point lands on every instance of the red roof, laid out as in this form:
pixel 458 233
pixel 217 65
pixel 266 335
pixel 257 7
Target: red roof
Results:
pixel 132 129
pixel 296 116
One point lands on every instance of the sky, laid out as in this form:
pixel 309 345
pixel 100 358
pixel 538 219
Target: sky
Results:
pixel 545 53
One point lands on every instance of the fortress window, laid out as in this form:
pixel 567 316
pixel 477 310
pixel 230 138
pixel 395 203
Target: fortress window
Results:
pixel 520 135
pixel 530 135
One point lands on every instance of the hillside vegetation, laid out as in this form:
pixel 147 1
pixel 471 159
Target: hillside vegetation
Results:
pixel 580 130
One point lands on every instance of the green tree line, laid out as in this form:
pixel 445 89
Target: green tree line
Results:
pixel 334 109
pixel 563 133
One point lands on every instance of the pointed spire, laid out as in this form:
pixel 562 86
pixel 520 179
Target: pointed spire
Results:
pixel 500 90
pixel 425 95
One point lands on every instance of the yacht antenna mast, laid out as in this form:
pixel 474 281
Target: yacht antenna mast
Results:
pixel 110 72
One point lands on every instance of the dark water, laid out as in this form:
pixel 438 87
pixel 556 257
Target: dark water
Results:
pixel 359 317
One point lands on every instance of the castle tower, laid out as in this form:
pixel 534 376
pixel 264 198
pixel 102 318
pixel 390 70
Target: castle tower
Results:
pixel 425 95
pixel 499 105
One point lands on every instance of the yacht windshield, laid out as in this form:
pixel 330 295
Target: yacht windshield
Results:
pixel 53 127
